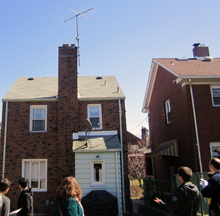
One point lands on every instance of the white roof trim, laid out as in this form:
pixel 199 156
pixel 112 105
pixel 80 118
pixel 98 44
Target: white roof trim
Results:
pixel 97 133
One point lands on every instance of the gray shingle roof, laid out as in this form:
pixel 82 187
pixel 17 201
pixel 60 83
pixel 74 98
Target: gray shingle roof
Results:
pixel 97 143
pixel 46 88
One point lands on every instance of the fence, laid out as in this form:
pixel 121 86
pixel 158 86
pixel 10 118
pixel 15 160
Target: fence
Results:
pixel 164 189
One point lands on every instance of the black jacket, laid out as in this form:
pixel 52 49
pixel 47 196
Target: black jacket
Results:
pixel 185 201
pixel 213 190
pixel 25 202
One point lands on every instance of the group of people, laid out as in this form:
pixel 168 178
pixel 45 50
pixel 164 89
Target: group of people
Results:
pixel 25 201
pixel 186 199
pixel 67 201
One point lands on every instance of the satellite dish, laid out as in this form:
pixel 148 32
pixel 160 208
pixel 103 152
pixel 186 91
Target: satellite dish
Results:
pixel 88 128
pixel 89 125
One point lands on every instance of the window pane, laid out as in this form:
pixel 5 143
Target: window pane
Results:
pixel 38 113
pixel 95 122
pixel 169 117
pixel 38 125
pixel 216 151
pixel 26 170
pixel 97 172
pixel 216 92
pixel 94 112
pixel 216 100
pixel 34 175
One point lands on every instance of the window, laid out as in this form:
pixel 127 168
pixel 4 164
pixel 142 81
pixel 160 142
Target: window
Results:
pixel 95 115
pixel 215 150
pixel 38 118
pixel 35 171
pixel 168 111
pixel 215 96
pixel 97 173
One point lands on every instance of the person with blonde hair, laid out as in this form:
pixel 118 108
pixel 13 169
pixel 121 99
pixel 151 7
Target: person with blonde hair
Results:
pixel 68 197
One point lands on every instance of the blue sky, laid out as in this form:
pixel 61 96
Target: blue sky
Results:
pixel 120 39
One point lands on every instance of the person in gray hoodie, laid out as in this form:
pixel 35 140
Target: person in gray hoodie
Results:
pixel 186 199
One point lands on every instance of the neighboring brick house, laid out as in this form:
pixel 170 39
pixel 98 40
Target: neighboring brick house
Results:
pixel 182 100
pixel 44 117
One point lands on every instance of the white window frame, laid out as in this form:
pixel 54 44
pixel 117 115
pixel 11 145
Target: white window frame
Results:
pixel 93 182
pixel 100 114
pixel 32 107
pixel 34 161
pixel 214 87
pixel 213 144
pixel 168 110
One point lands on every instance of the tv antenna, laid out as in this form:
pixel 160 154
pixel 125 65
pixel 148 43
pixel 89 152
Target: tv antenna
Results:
pixel 83 14
pixel 88 129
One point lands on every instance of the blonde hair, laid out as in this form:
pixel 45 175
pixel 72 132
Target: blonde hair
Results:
pixel 68 188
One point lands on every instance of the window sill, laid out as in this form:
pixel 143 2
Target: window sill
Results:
pixel 97 185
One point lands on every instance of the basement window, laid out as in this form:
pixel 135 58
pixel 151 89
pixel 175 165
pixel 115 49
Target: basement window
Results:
pixel 215 92
pixel 168 111
pixel 97 173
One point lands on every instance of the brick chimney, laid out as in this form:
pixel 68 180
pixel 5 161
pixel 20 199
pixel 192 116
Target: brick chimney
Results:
pixel 200 50
pixel 67 108
pixel 143 136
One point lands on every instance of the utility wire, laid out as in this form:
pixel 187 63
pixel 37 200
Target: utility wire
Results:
pixel 138 124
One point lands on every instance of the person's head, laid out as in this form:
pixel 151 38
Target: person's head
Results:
pixel 22 182
pixel 185 173
pixel 4 185
pixel 68 188
pixel 214 164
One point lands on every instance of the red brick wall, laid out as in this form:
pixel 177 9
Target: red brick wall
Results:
pixel 181 128
pixel 208 119
pixel 21 144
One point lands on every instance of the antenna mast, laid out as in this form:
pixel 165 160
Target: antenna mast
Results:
pixel 77 25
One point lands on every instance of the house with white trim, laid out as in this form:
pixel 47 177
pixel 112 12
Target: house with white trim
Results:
pixel 182 101
pixel 45 134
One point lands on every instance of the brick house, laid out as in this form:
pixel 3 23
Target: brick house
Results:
pixel 48 137
pixel 182 101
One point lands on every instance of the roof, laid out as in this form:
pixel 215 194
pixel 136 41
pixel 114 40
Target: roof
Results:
pixel 97 143
pixel 200 70
pixel 191 67
pixel 169 148
pixel 46 88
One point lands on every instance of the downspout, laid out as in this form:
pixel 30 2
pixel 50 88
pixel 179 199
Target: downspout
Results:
pixel 116 162
pixel 122 159
pixel 5 140
pixel 196 127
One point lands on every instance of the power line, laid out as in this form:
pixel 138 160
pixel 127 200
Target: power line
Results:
pixel 139 124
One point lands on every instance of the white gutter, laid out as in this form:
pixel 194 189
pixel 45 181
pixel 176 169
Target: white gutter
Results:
pixel 118 197
pixel 5 139
pixel 196 127
pixel 122 159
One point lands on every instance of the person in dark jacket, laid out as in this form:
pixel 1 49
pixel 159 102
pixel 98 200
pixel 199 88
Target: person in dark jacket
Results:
pixel 212 187
pixel 25 200
pixel 186 199
pixel 4 201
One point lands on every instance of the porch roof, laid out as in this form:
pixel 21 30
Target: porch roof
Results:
pixel 169 148
pixel 97 143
